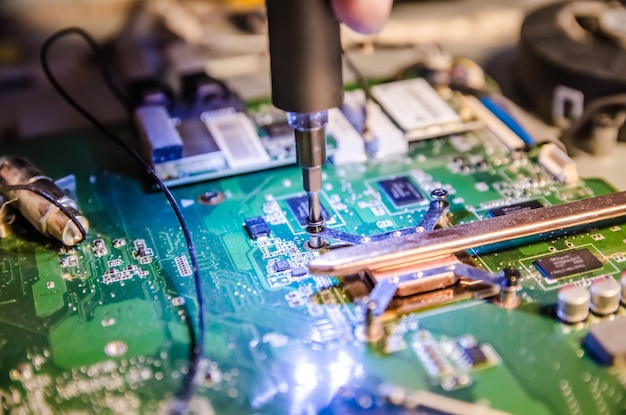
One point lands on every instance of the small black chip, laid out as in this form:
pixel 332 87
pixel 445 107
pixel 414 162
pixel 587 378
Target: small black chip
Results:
pixel 257 227
pixel 514 208
pixel 300 208
pixel 475 355
pixel 279 130
pixel 298 272
pixel 401 191
pixel 281 265
pixel 568 263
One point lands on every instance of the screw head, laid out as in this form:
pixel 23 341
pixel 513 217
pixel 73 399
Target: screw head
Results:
pixel 211 197
pixel 439 194
pixel 511 277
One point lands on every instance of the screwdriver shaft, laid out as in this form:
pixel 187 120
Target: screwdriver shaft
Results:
pixel 314 206
pixel 311 154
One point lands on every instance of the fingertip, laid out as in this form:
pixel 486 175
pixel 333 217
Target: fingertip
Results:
pixel 364 16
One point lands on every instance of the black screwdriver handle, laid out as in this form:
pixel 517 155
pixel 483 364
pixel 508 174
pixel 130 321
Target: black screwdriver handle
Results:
pixel 305 55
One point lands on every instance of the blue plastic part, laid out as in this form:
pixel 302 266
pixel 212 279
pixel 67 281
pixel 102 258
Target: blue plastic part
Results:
pixel 508 120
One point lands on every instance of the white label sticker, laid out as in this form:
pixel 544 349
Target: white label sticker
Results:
pixel 238 140
pixel 414 104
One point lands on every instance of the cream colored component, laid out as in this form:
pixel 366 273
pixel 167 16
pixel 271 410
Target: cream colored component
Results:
pixel 558 163
pixel 44 215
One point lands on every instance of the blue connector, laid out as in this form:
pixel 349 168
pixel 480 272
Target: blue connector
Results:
pixel 508 120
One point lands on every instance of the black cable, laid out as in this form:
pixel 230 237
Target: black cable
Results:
pixel 187 389
pixel 357 74
pixel 52 200
pixel 593 108
pixel 362 82
pixel 100 61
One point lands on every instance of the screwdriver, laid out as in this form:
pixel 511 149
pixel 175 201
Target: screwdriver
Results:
pixel 305 63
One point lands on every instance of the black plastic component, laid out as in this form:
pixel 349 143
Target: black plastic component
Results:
pixel 144 72
pixel 549 57
pixel 515 208
pixel 475 355
pixel 199 86
pixel 305 55
pixel 280 129
pixel 607 342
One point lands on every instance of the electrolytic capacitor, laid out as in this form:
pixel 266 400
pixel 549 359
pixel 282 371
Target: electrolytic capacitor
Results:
pixel 573 304
pixel 605 296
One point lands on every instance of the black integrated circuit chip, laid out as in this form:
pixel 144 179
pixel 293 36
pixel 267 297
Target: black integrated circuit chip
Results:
pixel 515 208
pixel 278 130
pixel 475 355
pixel 257 227
pixel 300 207
pixel 281 265
pixel 298 272
pixel 568 263
pixel 401 191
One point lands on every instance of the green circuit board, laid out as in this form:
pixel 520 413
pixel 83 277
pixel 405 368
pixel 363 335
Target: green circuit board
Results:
pixel 104 327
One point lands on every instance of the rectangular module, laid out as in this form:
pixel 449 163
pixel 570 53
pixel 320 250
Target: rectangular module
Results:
pixel 414 104
pixel 236 136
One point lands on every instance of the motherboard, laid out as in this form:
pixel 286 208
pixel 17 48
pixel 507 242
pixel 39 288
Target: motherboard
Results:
pixel 520 317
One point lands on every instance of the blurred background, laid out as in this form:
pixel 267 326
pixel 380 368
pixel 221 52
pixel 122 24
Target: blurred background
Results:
pixel 226 39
